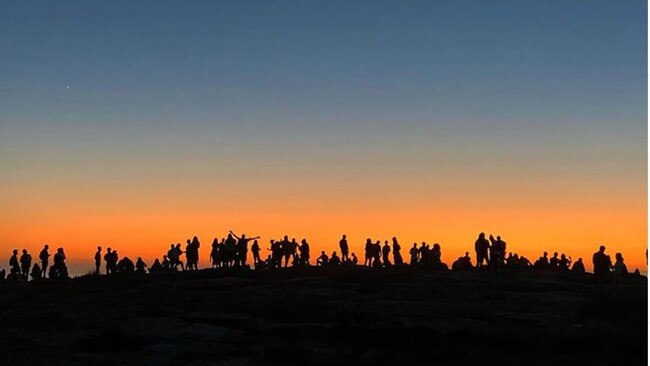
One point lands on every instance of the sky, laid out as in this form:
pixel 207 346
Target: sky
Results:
pixel 139 124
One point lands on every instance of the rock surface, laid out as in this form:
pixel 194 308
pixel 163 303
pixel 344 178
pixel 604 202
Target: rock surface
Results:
pixel 319 316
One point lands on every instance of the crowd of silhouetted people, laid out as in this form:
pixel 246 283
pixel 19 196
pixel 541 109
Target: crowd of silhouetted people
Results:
pixel 232 251
pixel 21 268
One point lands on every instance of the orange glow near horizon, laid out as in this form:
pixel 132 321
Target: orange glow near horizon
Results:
pixel 147 228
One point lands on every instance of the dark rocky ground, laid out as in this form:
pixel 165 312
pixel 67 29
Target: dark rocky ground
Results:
pixel 323 316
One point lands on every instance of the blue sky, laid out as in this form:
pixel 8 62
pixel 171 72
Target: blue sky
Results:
pixel 109 98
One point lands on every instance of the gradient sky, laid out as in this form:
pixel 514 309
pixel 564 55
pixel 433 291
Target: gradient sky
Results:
pixel 135 124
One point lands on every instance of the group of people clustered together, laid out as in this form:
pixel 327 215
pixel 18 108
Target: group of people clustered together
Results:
pixel 233 252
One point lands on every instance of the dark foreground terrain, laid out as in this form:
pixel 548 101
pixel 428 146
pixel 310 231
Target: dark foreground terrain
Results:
pixel 323 317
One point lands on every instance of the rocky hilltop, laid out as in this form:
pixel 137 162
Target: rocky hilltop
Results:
pixel 325 316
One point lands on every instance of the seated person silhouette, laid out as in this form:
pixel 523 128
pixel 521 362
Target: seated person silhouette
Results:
pixel 140 265
pixel 323 259
pixel 156 267
pixel 335 260
pixel 578 266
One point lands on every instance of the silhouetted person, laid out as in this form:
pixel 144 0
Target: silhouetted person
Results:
pixel 481 246
pixel 414 252
pixel 385 253
pixel 397 253
pixel 564 263
pixel 214 253
pixel 125 265
pixel 334 260
pixel 14 265
pixel 25 263
pixel 255 249
pixel 578 267
pixel 554 262
pixel 542 263
pixel 59 269
pixel 140 266
pixel 323 259
pixel 36 274
pixel 229 250
pixel 156 267
pixel 423 254
pixel 376 254
pixel 276 254
pixel 293 250
pixel 166 263
pixel 304 252
pixel 242 248
pixel 523 262
pixel 436 257
pixel 177 256
pixel 602 263
pixel 111 261
pixel 196 245
pixel 343 245
pixel 355 260
pixel 462 263
pixel 268 262
pixel 98 260
pixel 367 261
pixel 498 248
pixel 619 268
pixel 44 256
pixel 192 254
pixel 285 246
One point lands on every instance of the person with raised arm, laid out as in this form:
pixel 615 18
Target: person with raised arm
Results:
pixel 242 247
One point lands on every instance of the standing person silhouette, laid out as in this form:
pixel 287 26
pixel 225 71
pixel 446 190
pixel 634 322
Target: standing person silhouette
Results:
pixel 367 261
pixel 481 246
pixel 414 254
pixel 397 253
pixel 25 263
pixel 304 252
pixel 242 244
pixel 376 254
pixel 109 259
pixel 44 256
pixel 59 268
pixel 14 266
pixel 285 249
pixel 602 263
pixel 619 270
pixel 189 255
pixel 385 253
pixel 255 249
pixel 564 263
pixel 293 250
pixel 229 250
pixel 343 245
pixel 498 252
pixel 176 257
pixel 98 260
pixel 214 253
pixel 195 248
